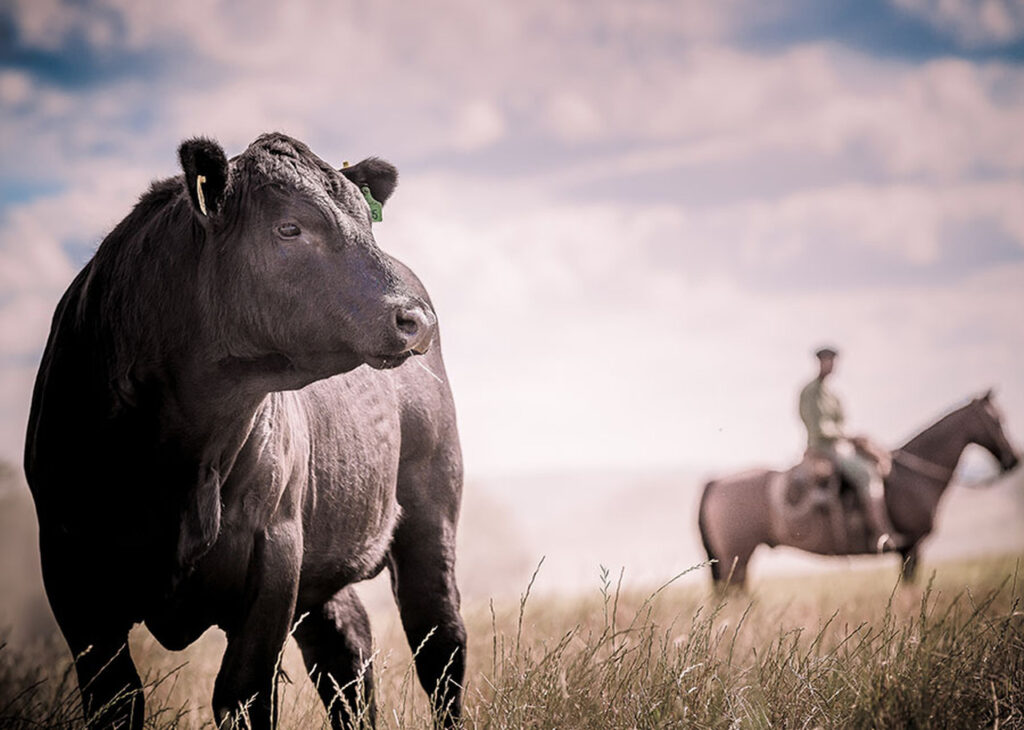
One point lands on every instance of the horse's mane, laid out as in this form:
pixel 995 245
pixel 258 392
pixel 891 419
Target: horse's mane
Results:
pixel 939 425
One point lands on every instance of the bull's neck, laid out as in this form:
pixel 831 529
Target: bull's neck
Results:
pixel 209 401
pixel 206 413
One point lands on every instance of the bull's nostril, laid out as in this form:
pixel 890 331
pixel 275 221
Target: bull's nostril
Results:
pixel 415 325
pixel 408 323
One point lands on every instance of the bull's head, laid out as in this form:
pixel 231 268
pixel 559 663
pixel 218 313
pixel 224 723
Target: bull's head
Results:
pixel 290 272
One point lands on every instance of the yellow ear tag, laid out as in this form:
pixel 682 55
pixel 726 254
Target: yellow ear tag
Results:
pixel 200 179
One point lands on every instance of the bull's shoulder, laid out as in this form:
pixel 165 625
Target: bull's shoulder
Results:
pixel 59 378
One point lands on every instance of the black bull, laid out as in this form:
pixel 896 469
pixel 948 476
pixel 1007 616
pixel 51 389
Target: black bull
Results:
pixel 204 447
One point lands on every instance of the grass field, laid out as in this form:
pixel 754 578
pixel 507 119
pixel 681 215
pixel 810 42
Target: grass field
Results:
pixel 842 649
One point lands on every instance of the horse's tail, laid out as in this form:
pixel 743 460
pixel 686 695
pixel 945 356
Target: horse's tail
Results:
pixel 716 564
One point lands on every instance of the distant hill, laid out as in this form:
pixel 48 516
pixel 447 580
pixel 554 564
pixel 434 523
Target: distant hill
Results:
pixel 644 522
pixel 24 611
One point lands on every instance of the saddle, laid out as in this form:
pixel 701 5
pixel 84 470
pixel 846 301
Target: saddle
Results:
pixel 818 473
pixel 816 476
pixel 816 508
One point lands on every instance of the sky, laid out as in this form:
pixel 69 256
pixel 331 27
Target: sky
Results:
pixel 636 220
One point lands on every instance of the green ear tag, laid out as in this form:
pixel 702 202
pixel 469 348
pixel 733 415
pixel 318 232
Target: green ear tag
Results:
pixel 376 209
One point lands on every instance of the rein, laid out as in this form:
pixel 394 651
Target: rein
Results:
pixel 941 473
pixel 922 466
pixel 987 481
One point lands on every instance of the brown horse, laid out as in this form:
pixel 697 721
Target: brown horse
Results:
pixel 808 508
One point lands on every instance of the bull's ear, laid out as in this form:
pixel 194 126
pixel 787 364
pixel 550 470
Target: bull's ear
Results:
pixel 206 173
pixel 380 176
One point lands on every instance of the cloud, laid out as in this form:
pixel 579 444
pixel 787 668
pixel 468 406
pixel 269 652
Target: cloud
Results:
pixel 15 89
pixel 574 119
pixel 710 378
pixel 617 248
pixel 719 107
pixel 973 23
pixel 628 334
pixel 36 266
pixel 50 24
pixel 558 164
pixel 665 83
pixel 478 124
pixel 902 222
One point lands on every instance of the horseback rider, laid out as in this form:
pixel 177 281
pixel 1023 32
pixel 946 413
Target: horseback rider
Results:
pixel 822 414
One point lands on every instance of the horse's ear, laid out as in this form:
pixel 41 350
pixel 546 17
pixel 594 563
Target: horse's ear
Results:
pixel 206 174
pixel 988 394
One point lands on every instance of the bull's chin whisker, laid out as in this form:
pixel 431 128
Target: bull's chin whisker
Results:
pixel 419 361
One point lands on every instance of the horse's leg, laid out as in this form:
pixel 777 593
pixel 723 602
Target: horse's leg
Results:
pixel 422 565
pixel 736 568
pixel 908 569
pixel 246 685
pixel 730 567
pixel 95 625
pixel 718 575
pixel 336 646
pixel 721 574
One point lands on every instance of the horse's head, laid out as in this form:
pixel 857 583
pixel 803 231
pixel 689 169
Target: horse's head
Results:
pixel 989 433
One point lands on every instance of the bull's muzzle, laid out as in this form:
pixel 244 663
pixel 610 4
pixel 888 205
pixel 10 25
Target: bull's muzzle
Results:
pixel 416 324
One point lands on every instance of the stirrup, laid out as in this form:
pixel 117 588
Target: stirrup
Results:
pixel 884 539
pixel 894 540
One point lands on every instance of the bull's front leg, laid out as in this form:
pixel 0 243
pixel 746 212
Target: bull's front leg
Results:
pixel 246 688
pixel 86 584
pixel 423 581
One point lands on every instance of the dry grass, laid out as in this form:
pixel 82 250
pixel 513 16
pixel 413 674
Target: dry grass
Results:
pixel 844 649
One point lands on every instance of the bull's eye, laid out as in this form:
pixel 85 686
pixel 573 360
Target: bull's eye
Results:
pixel 288 230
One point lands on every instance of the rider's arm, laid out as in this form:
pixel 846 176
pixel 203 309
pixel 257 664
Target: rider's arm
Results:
pixel 831 429
pixel 831 418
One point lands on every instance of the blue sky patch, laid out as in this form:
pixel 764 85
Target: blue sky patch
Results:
pixel 870 26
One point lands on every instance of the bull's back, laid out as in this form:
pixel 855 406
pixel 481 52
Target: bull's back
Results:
pixel 59 383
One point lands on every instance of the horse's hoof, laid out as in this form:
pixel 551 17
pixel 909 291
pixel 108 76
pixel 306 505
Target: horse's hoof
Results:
pixel 890 542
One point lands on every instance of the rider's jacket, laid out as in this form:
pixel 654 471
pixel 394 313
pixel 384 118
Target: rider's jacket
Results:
pixel 822 414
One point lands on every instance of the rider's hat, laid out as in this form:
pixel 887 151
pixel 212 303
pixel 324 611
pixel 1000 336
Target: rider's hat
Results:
pixel 822 352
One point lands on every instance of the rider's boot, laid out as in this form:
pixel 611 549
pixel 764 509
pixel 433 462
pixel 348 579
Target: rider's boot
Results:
pixel 879 524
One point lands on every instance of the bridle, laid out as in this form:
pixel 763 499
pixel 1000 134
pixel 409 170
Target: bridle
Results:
pixel 996 436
